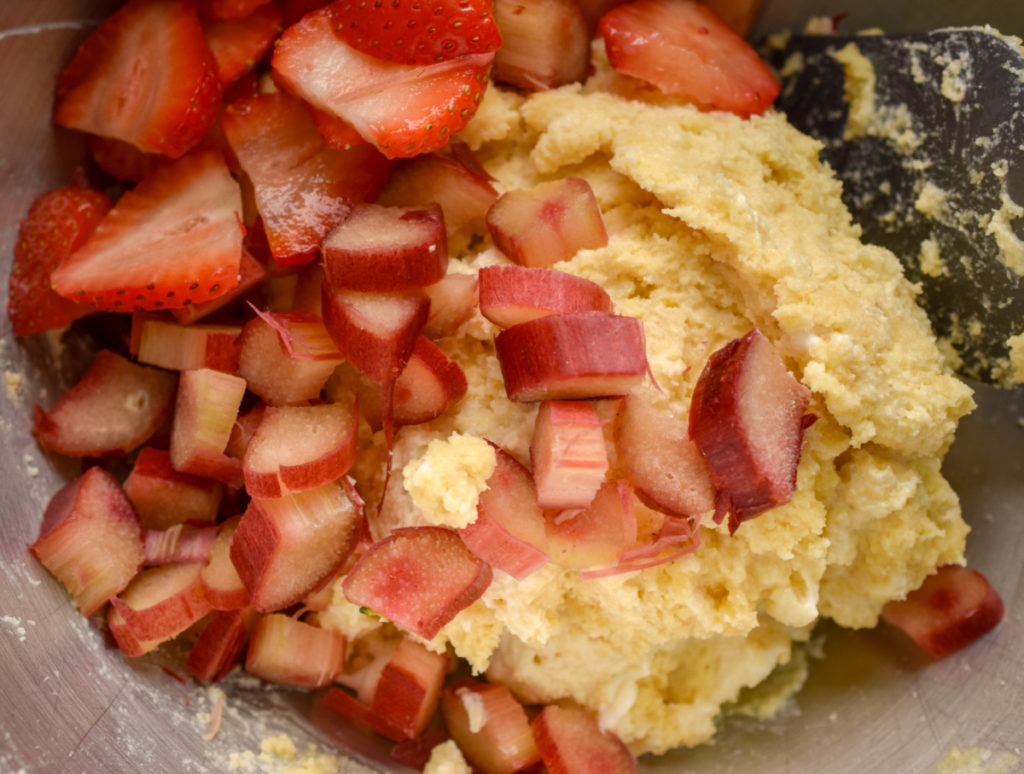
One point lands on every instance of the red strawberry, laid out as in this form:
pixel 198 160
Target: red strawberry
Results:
pixel 402 109
pixel 238 44
pixel 683 48
pixel 121 160
pixel 228 9
pixel 145 76
pixel 57 224
pixel 174 239
pixel 414 32
pixel 302 187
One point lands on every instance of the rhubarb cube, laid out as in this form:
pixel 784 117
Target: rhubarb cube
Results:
pixel 490 727
pixel 287 651
pixel 90 539
pixel 164 497
pixel 568 454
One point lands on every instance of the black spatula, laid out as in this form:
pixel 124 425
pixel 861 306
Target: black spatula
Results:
pixel 940 162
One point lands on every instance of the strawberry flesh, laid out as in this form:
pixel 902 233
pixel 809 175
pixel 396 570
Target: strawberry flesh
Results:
pixel 145 76
pixel 683 48
pixel 57 224
pixel 173 240
pixel 238 44
pixel 417 33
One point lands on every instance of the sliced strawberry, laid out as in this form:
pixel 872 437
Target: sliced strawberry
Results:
pixel 121 160
pixel 238 44
pixel 336 132
pixel 293 10
pixel 145 76
pixel 229 9
pixel 412 32
pixel 303 187
pixel 402 109
pixel 173 240
pixel 683 48
pixel 57 224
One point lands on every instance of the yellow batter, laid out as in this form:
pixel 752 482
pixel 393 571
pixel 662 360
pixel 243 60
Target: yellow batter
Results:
pixel 716 224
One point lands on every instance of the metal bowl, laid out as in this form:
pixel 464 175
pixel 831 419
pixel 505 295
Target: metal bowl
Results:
pixel 70 703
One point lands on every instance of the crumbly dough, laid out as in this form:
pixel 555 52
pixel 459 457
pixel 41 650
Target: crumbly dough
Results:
pixel 716 224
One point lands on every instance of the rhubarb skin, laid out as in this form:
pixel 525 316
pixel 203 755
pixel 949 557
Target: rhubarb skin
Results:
pixel 747 418
pixel 578 355
pixel 164 497
pixel 220 645
pixel 90 539
pixel 114 408
pixel 288 651
pixel 418 577
pixel 571 742
pixel 504 744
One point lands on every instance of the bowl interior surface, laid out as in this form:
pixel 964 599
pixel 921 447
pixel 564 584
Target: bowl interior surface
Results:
pixel 70 703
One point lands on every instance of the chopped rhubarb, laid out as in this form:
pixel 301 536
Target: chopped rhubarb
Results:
pixel 179 347
pixel 568 454
pixel 303 187
pixel 428 385
pixel 509 531
pixel 510 295
pixel 272 373
pixel 548 223
pixel 204 415
pixel 571 742
pixel 376 332
pixel 220 645
pixel 300 447
pixel 577 355
pixel 597 536
pixel 452 302
pixel 387 249
pixel 90 539
pixel 661 538
pixel 747 418
pixel 490 726
pixel 221 582
pixel 683 48
pixel 285 650
pixel 164 497
pixel 409 687
pixel 661 460
pixel 951 609
pixel 464 193
pixel 158 604
pixel 544 43
pixel 302 333
pixel 114 408
pixel 286 547
pixel 244 428
pixel 178 544
pixel 418 577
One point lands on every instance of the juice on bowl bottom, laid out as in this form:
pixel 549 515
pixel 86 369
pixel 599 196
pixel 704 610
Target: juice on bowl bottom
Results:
pixel 534 422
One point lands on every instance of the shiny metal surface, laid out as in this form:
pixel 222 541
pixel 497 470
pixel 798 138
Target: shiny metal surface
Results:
pixel 70 703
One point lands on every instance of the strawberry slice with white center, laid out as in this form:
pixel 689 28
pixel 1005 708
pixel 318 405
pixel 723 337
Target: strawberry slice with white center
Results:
pixel 412 32
pixel 303 188
pixel 418 577
pixel 175 239
pixel 951 609
pixel 402 109
pixel 683 48
pixel 145 76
